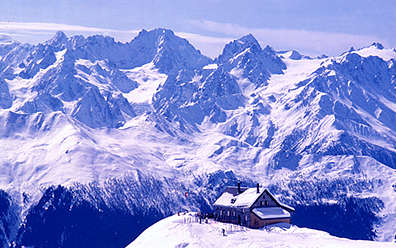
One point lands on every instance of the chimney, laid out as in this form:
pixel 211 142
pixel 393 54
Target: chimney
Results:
pixel 258 190
pixel 239 188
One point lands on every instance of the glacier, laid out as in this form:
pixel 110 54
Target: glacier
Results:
pixel 118 132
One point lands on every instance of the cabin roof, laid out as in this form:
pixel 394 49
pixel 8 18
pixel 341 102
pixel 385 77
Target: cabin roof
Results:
pixel 245 199
pixel 271 213
pixel 242 200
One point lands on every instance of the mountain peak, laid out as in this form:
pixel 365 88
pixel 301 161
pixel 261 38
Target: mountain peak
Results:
pixel 157 33
pixel 295 55
pixel 269 49
pixel 378 45
pixel 375 49
pixel 163 31
pixel 59 38
pixel 5 39
pixel 235 47
pixel 166 50
pixel 248 39
pixel 60 34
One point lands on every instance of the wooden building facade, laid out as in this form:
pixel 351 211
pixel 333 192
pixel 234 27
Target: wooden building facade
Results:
pixel 250 207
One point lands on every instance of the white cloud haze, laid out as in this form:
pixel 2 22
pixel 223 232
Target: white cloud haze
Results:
pixel 307 42
pixel 34 32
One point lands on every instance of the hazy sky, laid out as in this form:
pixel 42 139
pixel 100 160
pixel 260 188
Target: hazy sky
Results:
pixel 311 26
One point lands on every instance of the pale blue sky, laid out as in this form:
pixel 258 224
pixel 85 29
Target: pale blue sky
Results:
pixel 311 26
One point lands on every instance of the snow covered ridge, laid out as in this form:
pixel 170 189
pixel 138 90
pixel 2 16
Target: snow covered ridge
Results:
pixel 186 231
pixel 88 110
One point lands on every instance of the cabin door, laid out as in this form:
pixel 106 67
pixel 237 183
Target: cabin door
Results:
pixel 239 219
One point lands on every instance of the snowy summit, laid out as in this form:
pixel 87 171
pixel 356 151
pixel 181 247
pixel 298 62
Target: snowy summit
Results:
pixel 186 231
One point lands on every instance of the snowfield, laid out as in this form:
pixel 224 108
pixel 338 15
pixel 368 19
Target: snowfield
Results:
pixel 185 231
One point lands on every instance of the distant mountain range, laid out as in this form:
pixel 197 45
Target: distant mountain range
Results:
pixel 96 132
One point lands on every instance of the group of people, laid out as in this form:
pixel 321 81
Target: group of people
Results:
pixel 198 217
pixel 201 217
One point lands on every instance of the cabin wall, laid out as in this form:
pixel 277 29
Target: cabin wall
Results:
pixel 262 200
pixel 230 215
pixel 256 222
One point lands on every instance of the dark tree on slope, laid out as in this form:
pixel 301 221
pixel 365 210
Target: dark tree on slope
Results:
pixel 353 218
pixel 8 219
pixel 347 217
pixel 62 220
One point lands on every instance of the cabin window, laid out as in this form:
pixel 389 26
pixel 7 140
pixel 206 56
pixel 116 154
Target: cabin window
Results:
pixel 245 218
pixel 221 212
pixel 228 213
pixel 266 203
pixel 261 203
